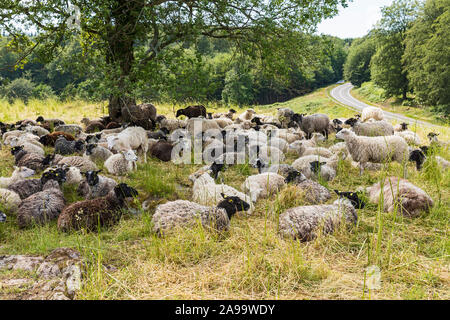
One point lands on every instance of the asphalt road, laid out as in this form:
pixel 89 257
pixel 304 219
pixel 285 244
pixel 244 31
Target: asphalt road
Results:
pixel 342 95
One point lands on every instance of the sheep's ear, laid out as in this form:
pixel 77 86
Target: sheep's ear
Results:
pixel 337 192
pixel 98 171
pixel 223 196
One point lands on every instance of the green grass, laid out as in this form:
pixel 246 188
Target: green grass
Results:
pixel 252 261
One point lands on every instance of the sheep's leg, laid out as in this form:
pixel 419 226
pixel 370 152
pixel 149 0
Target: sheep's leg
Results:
pixel 361 168
pixel 405 170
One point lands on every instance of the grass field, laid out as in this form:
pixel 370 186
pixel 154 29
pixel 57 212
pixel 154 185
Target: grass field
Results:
pixel 251 261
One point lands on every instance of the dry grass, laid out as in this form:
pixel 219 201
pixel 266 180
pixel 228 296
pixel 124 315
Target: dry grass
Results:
pixel 251 261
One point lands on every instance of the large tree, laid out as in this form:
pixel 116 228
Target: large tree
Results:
pixel 387 69
pixel 357 65
pixel 427 55
pixel 117 27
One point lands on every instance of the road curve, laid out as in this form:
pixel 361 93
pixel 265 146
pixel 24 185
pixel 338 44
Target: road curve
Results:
pixel 342 95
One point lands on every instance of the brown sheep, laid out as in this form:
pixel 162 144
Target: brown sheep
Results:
pixel 192 112
pixel 50 139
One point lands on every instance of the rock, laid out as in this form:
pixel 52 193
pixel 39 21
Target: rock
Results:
pixel 21 262
pixel 73 282
pixel 15 283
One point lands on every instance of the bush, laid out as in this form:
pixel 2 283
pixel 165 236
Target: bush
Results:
pixel 20 88
pixel 43 91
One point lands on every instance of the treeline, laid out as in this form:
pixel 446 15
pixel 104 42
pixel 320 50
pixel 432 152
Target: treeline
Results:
pixel 204 70
pixel 407 54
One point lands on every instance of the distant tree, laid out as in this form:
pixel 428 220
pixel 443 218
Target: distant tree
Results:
pixel 387 69
pixel 357 65
pixel 427 55
pixel 20 88
pixel 116 28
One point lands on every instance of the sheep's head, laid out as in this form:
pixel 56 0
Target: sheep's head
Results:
pixel 344 134
pixel 85 121
pixel 232 111
pixel 23 172
pixel 355 200
pixel 315 166
pixel 351 122
pixel 160 118
pixel 48 159
pixel 90 148
pixel 46 140
pixel 418 157
pixel 40 119
pixel 93 138
pixel 404 126
pixel 337 122
pixel 130 155
pixel 92 177
pixel 179 113
pixel 233 205
pixel 123 191
pixel 16 150
pixel 425 149
pixel 79 145
pixel 58 175
pixel 259 164
pixel 2 217
pixel 257 120
pixel 216 168
pixel 432 136
pixel 294 175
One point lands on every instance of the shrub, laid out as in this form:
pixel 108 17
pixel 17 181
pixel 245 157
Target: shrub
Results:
pixel 20 88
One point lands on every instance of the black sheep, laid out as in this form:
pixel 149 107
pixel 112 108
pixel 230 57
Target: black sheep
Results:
pixel 192 112
pixel 353 197
pixel 418 157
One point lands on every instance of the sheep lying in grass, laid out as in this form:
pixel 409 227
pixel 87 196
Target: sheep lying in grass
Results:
pixel 9 200
pixel 26 159
pixel 64 147
pixel 182 213
pixel 246 116
pixel 312 166
pixel 314 193
pixel 372 113
pixel 375 149
pixel 53 123
pixel 72 129
pixel 95 153
pixel 43 206
pixel 95 185
pixel 50 139
pixel 37 130
pixel 262 185
pixel 340 150
pixel 315 151
pixel 121 163
pixel 206 192
pixel 81 163
pixel 281 169
pixel 171 124
pixel 161 150
pixel 134 138
pixel 18 174
pixel 99 212
pixel 410 200
pixel 304 223
pixel 297 146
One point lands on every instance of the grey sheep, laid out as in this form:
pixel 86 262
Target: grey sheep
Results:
pixel 314 192
pixel 304 223
pixel 64 147
pixel 26 159
pixel 72 129
pixel 182 213
pixel 314 123
pixel 373 129
pixel 95 185
pixel 95 152
pixel 74 161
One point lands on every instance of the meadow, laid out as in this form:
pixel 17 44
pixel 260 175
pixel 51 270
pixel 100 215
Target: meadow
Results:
pixel 251 261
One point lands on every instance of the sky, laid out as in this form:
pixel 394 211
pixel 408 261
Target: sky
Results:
pixel 355 20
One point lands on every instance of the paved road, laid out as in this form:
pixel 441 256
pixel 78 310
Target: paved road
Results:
pixel 342 95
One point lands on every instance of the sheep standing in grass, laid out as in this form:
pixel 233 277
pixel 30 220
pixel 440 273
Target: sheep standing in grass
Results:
pixel 372 113
pixel 410 200
pixel 121 163
pixel 304 223
pixel 182 213
pixel 18 174
pixel 43 206
pixel 99 212
pixel 262 185
pixel 95 185
pixel 9 200
pixel 134 138
pixel 375 149
pixel 314 123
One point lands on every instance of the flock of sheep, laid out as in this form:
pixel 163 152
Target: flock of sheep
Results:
pixel 263 141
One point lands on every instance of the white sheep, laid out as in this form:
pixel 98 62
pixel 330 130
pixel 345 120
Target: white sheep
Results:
pixel 207 192
pixel 246 116
pixel 9 200
pixel 304 223
pixel 261 185
pixel 375 149
pixel 372 113
pixel 121 163
pixel 340 150
pixel 409 136
pixel 134 138
pixel 19 173
pixel 200 125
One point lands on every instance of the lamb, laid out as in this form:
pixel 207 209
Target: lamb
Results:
pixel 121 163
pixel 207 192
pixel 43 206
pixel 26 159
pixel 50 139
pixel 375 149
pixel 410 137
pixel 314 193
pixel 95 185
pixel 314 123
pixel 192 112
pixel 95 153
pixel 9 200
pixel 19 173
pixel 131 138
pixel 289 136
pixel 304 223
pixel 410 200
pixel 26 188
pixel 372 113
pixel 182 213
pixel 15 141
pixel 318 151
pixel 64 147
pixel 261 185
pixel 95 213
